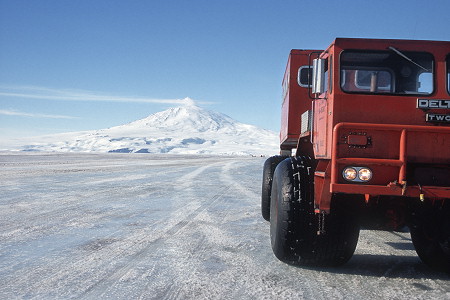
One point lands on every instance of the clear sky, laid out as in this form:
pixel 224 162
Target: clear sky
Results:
pixel 92 64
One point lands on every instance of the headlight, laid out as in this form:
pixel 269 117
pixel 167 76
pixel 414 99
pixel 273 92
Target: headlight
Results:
pixel 364 174
pixel 349 173
pixel 357 174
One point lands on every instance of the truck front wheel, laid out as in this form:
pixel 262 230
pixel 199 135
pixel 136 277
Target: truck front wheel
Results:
pixel 430 234
pixel 294 225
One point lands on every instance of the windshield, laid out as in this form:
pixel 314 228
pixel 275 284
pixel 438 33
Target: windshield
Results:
pixel 388 72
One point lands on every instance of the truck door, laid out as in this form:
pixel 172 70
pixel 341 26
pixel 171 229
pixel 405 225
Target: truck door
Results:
pixel 321 136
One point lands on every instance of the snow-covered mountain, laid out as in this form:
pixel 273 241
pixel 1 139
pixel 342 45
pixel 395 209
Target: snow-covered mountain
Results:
pixel 187 129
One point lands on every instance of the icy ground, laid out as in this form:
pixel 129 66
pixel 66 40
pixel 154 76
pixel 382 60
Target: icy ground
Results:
pixel 142 226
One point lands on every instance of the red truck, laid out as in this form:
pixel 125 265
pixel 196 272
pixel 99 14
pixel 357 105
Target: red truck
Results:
pixel 364 142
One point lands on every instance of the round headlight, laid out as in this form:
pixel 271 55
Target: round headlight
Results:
pixel 364 174
pixel 349 173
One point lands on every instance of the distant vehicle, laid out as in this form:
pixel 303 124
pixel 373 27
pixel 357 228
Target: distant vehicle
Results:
pixel 364 141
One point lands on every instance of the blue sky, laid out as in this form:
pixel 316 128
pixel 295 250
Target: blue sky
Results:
pixel 92 64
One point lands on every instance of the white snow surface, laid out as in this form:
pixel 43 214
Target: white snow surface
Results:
pixel 152 226
pixel 187 129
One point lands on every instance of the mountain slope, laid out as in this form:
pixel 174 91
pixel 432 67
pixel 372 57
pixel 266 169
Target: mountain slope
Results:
pixel 186 129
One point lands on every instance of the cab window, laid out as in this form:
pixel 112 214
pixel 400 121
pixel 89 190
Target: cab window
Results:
pixel 387 72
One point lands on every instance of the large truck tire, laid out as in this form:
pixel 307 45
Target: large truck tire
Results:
pixel 269 167
pixel 430 234
pixel 294 226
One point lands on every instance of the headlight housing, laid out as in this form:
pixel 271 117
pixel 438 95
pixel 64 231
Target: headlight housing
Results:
pixel 357 174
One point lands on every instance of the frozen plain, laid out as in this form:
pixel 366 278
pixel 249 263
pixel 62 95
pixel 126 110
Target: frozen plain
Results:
pixel 142 226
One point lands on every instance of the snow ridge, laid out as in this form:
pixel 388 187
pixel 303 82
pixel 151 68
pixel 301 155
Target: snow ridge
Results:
pixel 187 129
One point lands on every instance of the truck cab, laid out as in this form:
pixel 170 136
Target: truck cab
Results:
pixel 386 116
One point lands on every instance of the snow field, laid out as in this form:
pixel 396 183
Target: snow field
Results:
pixel 143 226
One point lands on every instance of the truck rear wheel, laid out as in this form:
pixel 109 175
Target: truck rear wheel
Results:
pixel 430 234
pixel 269 167
pixel 294 225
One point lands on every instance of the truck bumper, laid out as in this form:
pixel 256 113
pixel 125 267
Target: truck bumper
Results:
pixel 414 144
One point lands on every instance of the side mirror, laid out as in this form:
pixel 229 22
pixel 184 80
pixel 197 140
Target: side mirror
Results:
pixel 318 76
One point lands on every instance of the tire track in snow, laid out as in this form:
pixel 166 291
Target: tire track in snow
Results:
pixel 110 281
pixel 197 249
pixel 189 252
pixel 228 179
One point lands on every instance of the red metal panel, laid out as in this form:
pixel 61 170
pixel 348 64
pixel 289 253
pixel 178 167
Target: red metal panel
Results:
pixel 295 99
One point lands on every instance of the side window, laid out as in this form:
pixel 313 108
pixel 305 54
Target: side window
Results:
pixel 304 76
pixel 331 74
pixel 327 77
pixel 448 73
